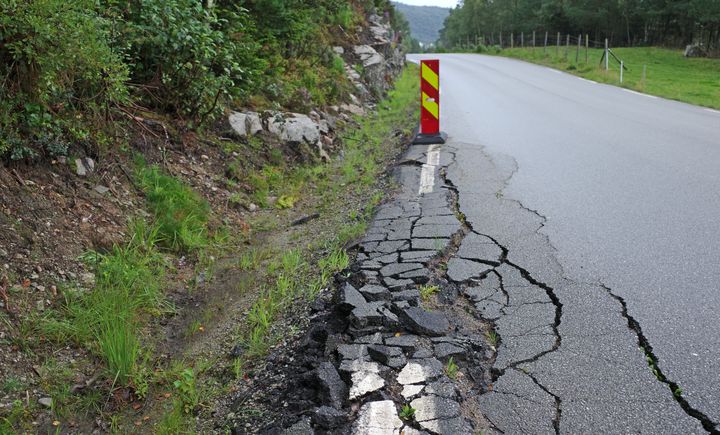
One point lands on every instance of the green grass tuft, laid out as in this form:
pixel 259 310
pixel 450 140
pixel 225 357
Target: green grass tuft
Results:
pixel 181 215
pixel 427 291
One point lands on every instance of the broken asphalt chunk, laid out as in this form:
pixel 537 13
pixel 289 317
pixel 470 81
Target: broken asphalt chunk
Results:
pixel 398 268
pixel 430 323
pixel 375 293
pixel 378 418
pixel 460 270
pixel 420 371
pixel 350 298
pixel 333 390
pixel 328 417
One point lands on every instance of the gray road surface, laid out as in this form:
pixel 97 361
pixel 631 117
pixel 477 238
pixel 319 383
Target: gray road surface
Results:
pixel 611 199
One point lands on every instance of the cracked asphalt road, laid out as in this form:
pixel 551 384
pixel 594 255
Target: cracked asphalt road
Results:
pixel 610 199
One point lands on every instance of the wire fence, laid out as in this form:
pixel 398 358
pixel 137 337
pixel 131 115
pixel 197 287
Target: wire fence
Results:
pixel 568 46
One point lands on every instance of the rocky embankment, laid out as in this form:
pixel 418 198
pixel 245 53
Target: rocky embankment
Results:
pixel 371 67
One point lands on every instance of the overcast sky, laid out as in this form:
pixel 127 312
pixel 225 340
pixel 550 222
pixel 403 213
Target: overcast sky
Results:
pixel 443 3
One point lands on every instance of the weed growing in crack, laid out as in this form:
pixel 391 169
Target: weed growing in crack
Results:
pixel 452 369
pixel 492 338
pixel 407 412
pixel 427 291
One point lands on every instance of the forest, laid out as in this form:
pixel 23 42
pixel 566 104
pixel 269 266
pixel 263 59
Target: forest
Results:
pixel 669 23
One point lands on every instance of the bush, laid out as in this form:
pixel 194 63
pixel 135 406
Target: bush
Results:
pixel 56 59
pixel 189 59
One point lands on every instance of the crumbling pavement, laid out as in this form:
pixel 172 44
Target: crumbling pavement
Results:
pixel 505 327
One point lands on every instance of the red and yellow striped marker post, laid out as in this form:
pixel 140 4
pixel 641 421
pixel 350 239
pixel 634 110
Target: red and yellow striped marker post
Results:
pixel 430 104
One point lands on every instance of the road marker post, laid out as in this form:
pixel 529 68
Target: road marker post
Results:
pixel 430 104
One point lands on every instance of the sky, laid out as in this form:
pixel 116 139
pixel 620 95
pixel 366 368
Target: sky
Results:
pixel 443 3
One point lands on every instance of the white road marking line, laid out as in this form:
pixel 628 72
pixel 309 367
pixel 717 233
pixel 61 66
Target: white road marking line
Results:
pixel 589 81
pixel 717 112
pixel 555 71
pixel 427 174
pixel 641 94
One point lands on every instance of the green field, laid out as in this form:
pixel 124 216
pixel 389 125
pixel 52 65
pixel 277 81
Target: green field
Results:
pixel 669 73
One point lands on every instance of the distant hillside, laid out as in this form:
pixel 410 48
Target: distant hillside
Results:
pixel 425 21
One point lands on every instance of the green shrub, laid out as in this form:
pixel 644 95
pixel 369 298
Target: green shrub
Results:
pixel 55 59
pixel 189 58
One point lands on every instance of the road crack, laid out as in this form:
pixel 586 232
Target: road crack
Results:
pixel 654 364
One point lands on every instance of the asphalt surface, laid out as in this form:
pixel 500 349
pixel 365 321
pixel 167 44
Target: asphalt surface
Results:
pixel 611 199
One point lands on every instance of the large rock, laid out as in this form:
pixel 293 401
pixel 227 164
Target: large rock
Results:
pixel 294 128
pixel 302 427
pixel 368 56
pixel 364 383
pixel 244 124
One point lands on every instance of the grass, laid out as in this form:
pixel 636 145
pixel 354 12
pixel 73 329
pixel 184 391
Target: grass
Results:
pixel 407 412
pixel 290 281
pixel 427 291
pixel 492 338
pixel 669 73
pixel 452 369
pixel 364 151
pixel 109 318
pixel 181 215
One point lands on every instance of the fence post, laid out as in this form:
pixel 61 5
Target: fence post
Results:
pixel 501 40
pixel 557 49
pixel 644 74
pixel 512 40
pixel 587 46
pixel 567 45
pixel 533 39
pixel 546 39
pixel 607 55
pixel 577 52
pixel 622 66
pixel 522 39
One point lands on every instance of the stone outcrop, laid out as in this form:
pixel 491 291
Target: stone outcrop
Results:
pixel 293 129
pixel 376 62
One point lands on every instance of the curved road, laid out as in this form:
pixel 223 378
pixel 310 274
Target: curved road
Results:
pixel 626 188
